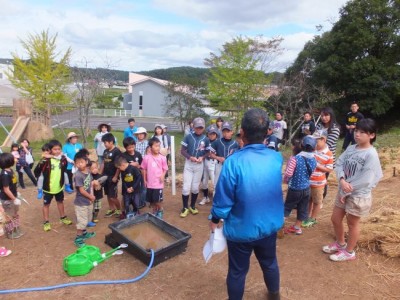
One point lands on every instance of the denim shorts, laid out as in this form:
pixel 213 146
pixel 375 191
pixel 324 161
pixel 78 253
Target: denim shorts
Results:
pixel 297 199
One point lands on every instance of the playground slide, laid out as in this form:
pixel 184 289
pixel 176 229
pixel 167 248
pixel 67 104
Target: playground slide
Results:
pixel 15 133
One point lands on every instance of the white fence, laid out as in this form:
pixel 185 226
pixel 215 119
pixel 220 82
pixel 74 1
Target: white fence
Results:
pixel 111 112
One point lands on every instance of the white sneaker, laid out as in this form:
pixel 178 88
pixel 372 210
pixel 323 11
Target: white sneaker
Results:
pixel 204 201
pixel 343 255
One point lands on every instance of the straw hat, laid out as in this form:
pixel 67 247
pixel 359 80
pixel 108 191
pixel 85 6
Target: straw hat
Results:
pixel 70 135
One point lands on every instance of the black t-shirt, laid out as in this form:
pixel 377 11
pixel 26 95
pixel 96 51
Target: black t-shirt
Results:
pixel 8 178
pixel 131 177
pixel 353 118
pixel 136 157
pixel 97 193
pixel 109 161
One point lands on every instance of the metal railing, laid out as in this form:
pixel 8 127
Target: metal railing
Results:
pixel 111 112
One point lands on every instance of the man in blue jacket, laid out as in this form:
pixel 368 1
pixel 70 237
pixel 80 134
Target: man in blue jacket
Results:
pixel 249 199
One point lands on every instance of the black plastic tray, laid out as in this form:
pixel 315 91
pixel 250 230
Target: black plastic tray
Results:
pixel 116 238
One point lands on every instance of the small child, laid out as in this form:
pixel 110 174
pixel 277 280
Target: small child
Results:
pixel 53 169
pixel 98 181
pixel 9 201
pixel 358 170
pixel 324 159
pixel 209 166
pixel 15 152
pixel 271 141
pixel 141 143
pixel 154 167
pixel 98 144
pixel 131 185
pixel 298 171
pixel 108 169
pixel 84 199
pixel 39 175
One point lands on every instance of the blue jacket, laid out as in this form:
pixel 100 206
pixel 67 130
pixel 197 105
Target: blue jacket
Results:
pixel 249 194
pixel 130 132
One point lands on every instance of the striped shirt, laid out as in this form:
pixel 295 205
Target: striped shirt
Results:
pixel 333 136
pixel 324 158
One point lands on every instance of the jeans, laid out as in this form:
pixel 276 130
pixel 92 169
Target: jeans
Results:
pixel 348 139
pixel 28 172
pixel 297 199
pixel 239 263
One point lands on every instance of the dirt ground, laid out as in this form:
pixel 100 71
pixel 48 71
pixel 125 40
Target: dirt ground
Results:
pixel 306 272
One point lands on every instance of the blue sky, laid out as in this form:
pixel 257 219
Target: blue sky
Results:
pixel 144 35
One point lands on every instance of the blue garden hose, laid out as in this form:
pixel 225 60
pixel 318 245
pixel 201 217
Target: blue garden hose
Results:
pixel 61 286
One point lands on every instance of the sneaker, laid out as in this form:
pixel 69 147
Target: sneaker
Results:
pixel 88 235
pixel 310 222
pixel 79 242
pixel 193 210
pixel 15 234
pixel 91 224
pixel 160 214
pixel 109 213
pixel 333 247
pixel 117 213
pixel 46 226
pixel 65 221
pixel 68 189
pixel 204 201
pixel 293 229
pixel 40 194
pixel 184 213
pixel 95 220
pixel 342 255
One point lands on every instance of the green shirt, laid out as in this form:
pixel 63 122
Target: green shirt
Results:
pixel 55 176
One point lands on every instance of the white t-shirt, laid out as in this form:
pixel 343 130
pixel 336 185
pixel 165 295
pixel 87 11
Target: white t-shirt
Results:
pixel 278 127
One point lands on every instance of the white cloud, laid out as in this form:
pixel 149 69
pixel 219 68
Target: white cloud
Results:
pixel 116 31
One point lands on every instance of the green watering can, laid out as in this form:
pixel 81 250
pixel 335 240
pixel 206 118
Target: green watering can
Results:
pixel 86 258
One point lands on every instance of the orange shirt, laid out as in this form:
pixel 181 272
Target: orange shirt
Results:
pixel 325 158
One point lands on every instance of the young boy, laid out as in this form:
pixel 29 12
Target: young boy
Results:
pixel 280 129
pixel 141 143
pixel 352 118
pixel 298 171
pixel 98 182
pixel 209 166
pixel 108 169
pixel 324 159
pixel 8 196
pixel 271 140
pixel 84 199
pixel 131 185
pixel 53 170
pixel 154 167
pixel 222 148
pixel 308 126
pixel 358 170
pixel 194 148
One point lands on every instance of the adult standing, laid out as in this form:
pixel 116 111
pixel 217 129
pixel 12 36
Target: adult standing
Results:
pixel 219 123
pixel 308 126
pixel 249 199
pixel 280 128
pixel 98 144
pixel 328 123
pixel 352 118
pixel 24 163
pixel 70 148
pixel 131 129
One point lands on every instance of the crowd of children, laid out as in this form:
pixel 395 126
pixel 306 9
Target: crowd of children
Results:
pixel 143 166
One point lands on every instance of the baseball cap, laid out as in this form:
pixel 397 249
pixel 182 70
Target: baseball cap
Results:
pixel 226 125
pixel 318 134
pixel 212 129
pixel 199 122
pixel 309 141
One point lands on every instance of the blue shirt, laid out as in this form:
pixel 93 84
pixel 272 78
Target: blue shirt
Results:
pixel 196 145
pixel 249 195
pixel 69 151
pixel 130 132
pixel 305 165
pixel 223 148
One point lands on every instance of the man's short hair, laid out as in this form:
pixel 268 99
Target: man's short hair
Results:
pixel 153 141
pixel 108 137
pixel 131 120
pixel 128 141
pixel 255 124
pixel 120 161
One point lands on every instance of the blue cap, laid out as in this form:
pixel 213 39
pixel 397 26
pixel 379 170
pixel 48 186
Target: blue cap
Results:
pixel 309 141
pixel 212 129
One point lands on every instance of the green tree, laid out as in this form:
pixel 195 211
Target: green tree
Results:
pixel 359 58
pixel 183 101
pixel 238 77
pixel 43 76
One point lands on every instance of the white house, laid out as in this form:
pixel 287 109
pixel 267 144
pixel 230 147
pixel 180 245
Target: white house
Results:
pixel 7 91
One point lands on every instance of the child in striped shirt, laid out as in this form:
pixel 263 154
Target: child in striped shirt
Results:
pixel 318 180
